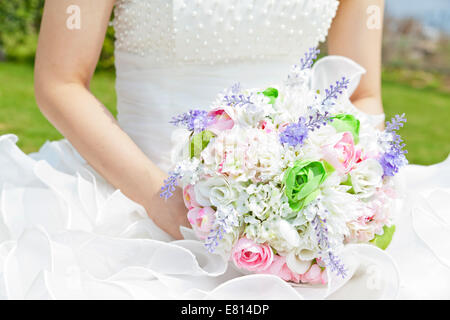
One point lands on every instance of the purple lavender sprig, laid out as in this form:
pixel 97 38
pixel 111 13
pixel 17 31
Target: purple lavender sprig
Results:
pixel 170 184
pixel 394 157
pixel 237 100
pixel 329 258
pixel 236 88
pixel 225 222
pixel 391 162
pixel 296 76
pixel 396 123
pixel 296 133
pixel 335 90
pixel 193 120
pixel 335 264
pixel 216 234
pixel 234 97
pixel 321 232
pixel 318 120
pixel 308 60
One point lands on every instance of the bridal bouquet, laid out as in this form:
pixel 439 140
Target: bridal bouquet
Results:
pixel 279 179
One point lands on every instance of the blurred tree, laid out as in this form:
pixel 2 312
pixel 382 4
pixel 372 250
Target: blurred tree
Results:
pixel 19 20
pixel 106 61
pixel 19 28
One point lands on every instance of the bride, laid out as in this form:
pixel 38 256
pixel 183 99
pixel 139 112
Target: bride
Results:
pixel 82 218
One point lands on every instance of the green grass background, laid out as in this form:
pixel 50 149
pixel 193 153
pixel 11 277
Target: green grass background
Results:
pixel 427 108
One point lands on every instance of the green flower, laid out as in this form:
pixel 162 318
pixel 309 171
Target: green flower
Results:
pixel 302 182
pixel 199 142
pixel 347 123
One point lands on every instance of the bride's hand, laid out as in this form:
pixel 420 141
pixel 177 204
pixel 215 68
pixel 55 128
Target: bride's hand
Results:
pixel 169 214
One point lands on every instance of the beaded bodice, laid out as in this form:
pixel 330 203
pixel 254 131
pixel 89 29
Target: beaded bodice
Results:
pixel 212 31
pixel 174 55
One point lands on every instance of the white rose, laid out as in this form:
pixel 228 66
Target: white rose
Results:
pixel 214 191
pixel 306 250
pixel 282 236
pixel 288 232
pixel 226 244
pixel 277 232
pixel 296 264
pixel 366 177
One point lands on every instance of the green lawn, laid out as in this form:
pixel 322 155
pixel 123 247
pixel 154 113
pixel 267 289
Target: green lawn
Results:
pixel 426 133
pixel 427 109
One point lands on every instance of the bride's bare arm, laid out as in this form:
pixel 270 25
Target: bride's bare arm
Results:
pixel 356 33
pixel 65 62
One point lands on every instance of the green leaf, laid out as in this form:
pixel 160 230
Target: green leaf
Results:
pixel 272 93
pixel 328 167
pixel 199 142
pixel 384 240
pixel 348 182
pixel 347 123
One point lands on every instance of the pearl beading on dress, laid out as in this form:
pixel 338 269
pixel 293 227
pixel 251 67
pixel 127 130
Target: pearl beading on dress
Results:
pixel 220 31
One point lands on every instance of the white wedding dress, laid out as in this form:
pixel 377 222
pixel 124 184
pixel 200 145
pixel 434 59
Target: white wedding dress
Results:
pixel 65 233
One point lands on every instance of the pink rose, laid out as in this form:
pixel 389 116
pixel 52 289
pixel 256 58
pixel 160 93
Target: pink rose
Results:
pixel 360 156
pixel 202 220
pixel 315 275
pixel 343 155
pixel 279 268
pixel 252 256
pixel 189 197
pixel 220 121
